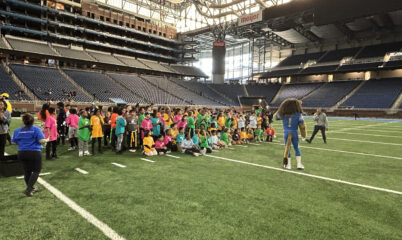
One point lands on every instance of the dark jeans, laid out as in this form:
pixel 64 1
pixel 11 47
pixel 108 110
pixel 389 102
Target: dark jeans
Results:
pixel 32 163
pixel 99 139
pixel 51 146
pixel 114 138
pixel 3 140
pixel 316 129
pixel 106 135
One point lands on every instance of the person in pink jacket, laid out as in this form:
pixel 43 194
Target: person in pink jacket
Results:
pixel 146 124
pixel 72 121
pixel 50 132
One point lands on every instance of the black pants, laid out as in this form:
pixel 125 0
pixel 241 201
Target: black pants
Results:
pixel 316 129
pixel 99 140
pixel 51 146
pixel 209 150
pixel 61 130
pixel 106 135
pixel 3 140
pixel 114 138
pixel 159 150
pixel 32 163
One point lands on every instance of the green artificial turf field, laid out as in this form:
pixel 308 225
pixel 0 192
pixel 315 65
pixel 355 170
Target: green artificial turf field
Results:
pixel 216 198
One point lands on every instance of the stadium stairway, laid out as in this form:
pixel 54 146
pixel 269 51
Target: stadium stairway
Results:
pixel 54 50
pixel 245 90
pixel 119 83
pixel 14 77
pixel 277 94
pixel 313 92
pixel 347 96
pixel 396 106
pixel 73 82
pixel 221 94
pixel 5 43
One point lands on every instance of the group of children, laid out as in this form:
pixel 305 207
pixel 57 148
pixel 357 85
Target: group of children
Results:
pixel 154 131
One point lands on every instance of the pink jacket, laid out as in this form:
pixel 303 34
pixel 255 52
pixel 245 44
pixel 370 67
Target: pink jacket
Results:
pixel 72 120
pixel 146 124
pixel 159 144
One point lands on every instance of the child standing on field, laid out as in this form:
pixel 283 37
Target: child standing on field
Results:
pixel 84 134
pixel 50 131
pixel 259 134
pixel 72 123
pixel 97 134
pixel 120 129
pixel 270 132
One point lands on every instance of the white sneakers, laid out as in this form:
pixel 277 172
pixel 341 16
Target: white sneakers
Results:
pixel 80 154
pixel 204 152
pixel 300 166
pixel 132 150
pixel 86 153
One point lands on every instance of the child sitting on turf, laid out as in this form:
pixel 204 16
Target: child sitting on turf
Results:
pixel 168 141
pixel 243 136
pixel 188 147
pixel 250 135
pixel 214 140
pixel 160 145
pixel 205 147
pixel 259 134
pixel 270 132
pixel 84 134
pixel 225 137
pixel 196 138
pixel 149 144
pixel 179 139
pixel 236 138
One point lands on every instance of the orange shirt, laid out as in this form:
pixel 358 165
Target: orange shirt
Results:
pixel 40 117
pixel 270 131
pixel 113 120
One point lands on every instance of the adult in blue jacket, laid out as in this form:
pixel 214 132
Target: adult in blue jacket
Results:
pixel 29 140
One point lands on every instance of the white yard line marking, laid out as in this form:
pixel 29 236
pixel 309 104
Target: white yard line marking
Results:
pixel 81 171
pixel 40 174
pixel 341 151
pixel 172 156
pixel 118 165
pixel 110 233
pixel 310 175
pixel 256 144
pixel 230 148
pixel 147 160
pixel 366 134
pixel 240 146
pixel 364 126
pixel 383 131
pixel 6 154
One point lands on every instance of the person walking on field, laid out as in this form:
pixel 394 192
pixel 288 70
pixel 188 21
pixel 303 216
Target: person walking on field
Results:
pixel 321 124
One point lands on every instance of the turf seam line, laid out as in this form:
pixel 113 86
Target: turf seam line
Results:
pixel 172 156
pixel 81 171
pixel 310 175
pixel 147 160
pixel 118 165
pixel 341 151
pixel 110 233
pixel 40 174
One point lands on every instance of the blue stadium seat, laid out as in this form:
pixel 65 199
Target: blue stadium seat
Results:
pixel 263 90
pixel 7 85
pixel 298 90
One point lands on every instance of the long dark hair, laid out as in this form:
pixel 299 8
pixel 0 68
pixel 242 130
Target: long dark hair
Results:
pixel 43 111
pixel 5 104
pixel 289 107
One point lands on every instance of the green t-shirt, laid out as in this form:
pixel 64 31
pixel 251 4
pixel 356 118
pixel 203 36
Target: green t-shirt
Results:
pixel 140 118
pixel 204 142
pixel 258 111
pixel 84 134
pixel 259 132
pixel 190 122
pixel 228 122
pixel 225 138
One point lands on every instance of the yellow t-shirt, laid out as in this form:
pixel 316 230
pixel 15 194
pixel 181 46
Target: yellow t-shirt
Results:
pixel 243 135
pixel 167 120
pixel 221 122
pixel 96 123
pixel 148 143
pixel 9 107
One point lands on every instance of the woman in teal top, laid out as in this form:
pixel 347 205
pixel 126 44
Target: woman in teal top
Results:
pixel 156 123
pixel 120 129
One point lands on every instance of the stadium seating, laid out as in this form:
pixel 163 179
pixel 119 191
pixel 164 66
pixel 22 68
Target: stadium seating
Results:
pixel 47 83
pixel 105 58
pixel 377 93
pixel 203 90
pixel 7 85
pixel 319 69
pixel 155 66
pixel 263 90
pixel 188 70
pixel 230 91
pixel 296 60
pixel 360 67
pixel 132 62
pixel 99 85
pixel 280 73
pixel 29 46
pixel 393 64
pixel 180 91
pixel 330 94
pixel 72 53
pixel 298 90
pixel 379 50
pixel 2 43
pixel 146 90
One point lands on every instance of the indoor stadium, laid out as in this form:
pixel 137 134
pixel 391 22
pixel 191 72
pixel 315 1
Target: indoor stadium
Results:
pixel 200 119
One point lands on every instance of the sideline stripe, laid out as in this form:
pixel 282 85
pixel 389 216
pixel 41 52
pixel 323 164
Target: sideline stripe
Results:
pixel 81 171
pixel 341 151
pixel 172 156
pixel 110 233
pixel 40 174
pixel 147 160
pixel 310 175
pixel 6 154
pixel 240 146
pixel 364 134
pixel 118 165
pixel 255 144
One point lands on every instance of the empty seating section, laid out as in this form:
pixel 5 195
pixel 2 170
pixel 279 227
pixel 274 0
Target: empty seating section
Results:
pixel 319 69
pixel 180 91
pixel 165 65
pixel 3 44
pixel 264 90
pixel 105 58
pixel 145 89
pixel 280 73
pixel 48 83
pixel 189 70
pixel 379 50
pixel 204 90
pixel 394 64
pixel 378 93
pixel 33 47
pixel 132 62
pixel 155 66
pixel 72 53
pixel 360 67
pixel 230 91
pixel 338 55
pixel 330 94
pixel 298 59
pixel 7 85
pixel 298 90
pixel 100 86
